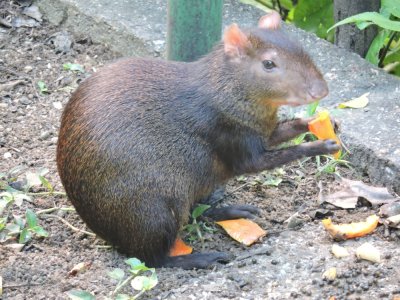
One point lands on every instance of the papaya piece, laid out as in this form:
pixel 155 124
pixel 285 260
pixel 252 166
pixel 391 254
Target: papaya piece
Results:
pixel 349 231
pixel 322 128
pixel 180 248
pixel 242 230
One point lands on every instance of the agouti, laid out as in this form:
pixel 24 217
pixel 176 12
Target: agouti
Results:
pixel 143 140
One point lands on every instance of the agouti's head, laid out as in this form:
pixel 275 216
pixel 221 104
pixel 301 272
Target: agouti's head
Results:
pixel 272 68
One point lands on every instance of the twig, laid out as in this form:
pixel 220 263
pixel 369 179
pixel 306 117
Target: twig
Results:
pixel 10 85
pixel 122 284
pixel 70 225
pixel 103 246
pixel 47 194
pixel 50 210
pixel 11 286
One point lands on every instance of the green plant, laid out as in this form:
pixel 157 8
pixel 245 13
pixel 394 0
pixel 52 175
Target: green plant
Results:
pixel 310 15
pixel 42 87
pixel 314 16
pixel 269 177
pixel 139 282
pixel 73 67
pixel 385 48
pixel 194 230
pixel 25 228
pixel 80 295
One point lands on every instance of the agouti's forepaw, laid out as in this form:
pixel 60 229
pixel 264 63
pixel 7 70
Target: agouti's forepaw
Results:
pixel 331 146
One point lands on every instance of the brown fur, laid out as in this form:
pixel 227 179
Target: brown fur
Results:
pixel 141 141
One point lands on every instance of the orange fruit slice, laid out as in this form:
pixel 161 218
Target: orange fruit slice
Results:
pixel 322 128
pixel 242 230
pixel 180 248
pixel 352 230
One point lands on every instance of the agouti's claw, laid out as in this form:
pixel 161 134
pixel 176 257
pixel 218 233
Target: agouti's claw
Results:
pixel 331 146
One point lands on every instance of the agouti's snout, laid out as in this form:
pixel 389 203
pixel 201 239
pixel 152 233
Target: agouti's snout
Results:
pixel 318 89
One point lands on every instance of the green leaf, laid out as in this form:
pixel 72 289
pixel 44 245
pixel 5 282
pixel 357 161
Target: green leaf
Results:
pixel 314 16
pixel 117 274
pixel 80 295
pixel 373 17
pixel 136 265
pixel 272 181
pixel 46 183
pixel 3 203
pixel 134 262
pixel 145 283
pixel 31 218
pixel 122 297
pixel 312 108
pixel 25 236
pixel 2 223
pixel 42 87
pixel 39 231
pixel 20 197
pixel 19 221
pixel 74 67
pixel 13 228
pixel 32 179
pixel 363 24
pixel 392 57
pixel 199 210
pixel 375 47
pixel 389 7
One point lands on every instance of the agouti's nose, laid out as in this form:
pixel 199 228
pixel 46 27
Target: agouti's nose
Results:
pixel 318 89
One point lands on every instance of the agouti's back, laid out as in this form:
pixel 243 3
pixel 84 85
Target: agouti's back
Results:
pixel 143 140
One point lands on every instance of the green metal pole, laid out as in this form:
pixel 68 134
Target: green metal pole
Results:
pixel 194 27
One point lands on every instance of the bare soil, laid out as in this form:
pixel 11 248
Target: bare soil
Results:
pixel 287 263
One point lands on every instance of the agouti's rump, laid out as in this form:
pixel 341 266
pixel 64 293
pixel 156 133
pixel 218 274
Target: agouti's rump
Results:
pixel 141 141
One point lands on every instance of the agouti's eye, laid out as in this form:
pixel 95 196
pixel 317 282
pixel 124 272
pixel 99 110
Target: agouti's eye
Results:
pixel 268 64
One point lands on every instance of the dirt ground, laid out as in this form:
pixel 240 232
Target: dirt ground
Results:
pixel 287 263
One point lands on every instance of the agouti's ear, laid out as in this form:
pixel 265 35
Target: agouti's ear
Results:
pixel 235 41
pixel 270 21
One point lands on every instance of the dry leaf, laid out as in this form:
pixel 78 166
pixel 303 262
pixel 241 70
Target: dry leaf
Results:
pixel 242 230
pixel 368 252
pixel 390 209
pixel 350 192
pixel 330 274
pixel 79 268
pixel 180 248
pixel 352 230
pixel 393 221
pixel 339 251
pixel 359 102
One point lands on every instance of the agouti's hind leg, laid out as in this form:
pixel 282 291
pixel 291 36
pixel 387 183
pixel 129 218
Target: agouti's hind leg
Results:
pixel 196 260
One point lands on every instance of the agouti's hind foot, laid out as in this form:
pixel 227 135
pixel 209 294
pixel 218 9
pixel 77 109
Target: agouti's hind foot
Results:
pixel 197 260
pixel 232 212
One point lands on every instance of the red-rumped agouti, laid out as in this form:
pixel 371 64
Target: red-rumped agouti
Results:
pixel 143 140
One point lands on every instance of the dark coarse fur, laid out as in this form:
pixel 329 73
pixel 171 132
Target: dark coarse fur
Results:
pixel 142 140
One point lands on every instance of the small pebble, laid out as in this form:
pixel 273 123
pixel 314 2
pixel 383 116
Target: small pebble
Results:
pixel 25 101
